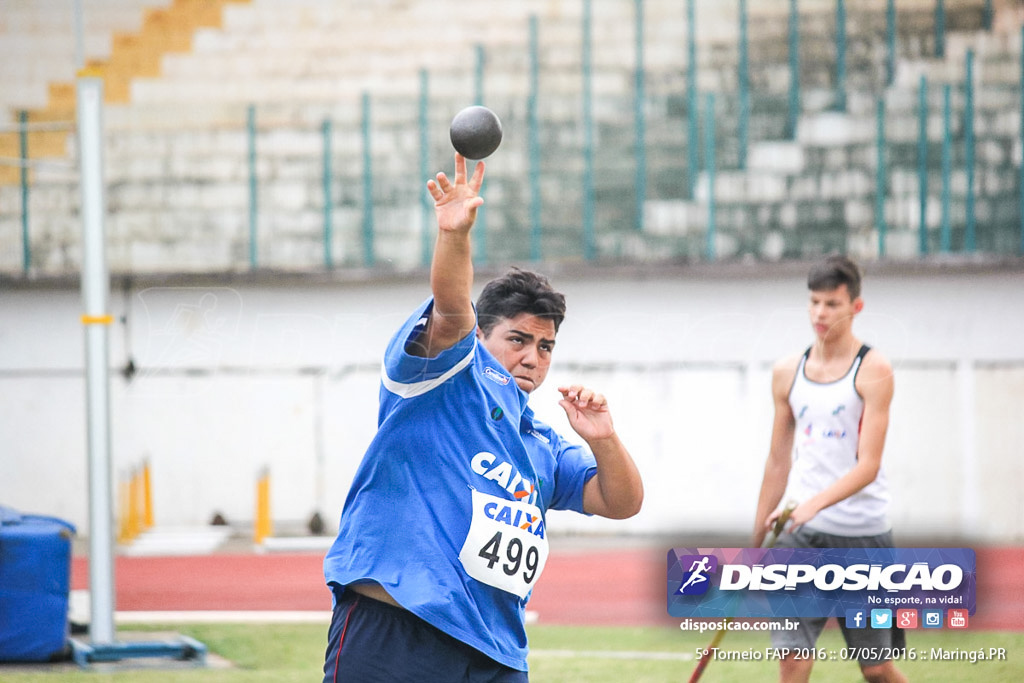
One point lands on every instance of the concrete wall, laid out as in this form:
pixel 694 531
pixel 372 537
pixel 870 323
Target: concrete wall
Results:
pixel 235 376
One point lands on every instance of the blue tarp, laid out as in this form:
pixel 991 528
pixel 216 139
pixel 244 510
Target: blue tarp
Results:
pixel 35 581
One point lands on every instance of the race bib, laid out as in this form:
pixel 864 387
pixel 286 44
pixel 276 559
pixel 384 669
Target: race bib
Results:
pixel 507 544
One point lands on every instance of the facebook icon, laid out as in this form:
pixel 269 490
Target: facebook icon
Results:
pixel 856 618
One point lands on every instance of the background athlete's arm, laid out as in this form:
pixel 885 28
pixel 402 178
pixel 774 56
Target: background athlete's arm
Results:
pixel 451 272
pixel 780 451
pixel 875 385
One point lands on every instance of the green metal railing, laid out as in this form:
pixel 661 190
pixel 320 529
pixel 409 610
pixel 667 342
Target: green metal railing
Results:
pixel 691 98
pixel 743 88
pixel 328 183
pixel 587 88
pixel 710 251
pixel 946 235
pixel 793 111
pixel 26 245
pixel 639 119
pixel 840 85
pixel 717 150
pixel 922 167
pixel 369 253
pixel 970 238
pixel 480 230
pixel 533 133
pixel 881 176
pixel 426 210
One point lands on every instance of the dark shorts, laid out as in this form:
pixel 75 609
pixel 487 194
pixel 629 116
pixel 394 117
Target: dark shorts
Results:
pixel 373 642
pixel 882 640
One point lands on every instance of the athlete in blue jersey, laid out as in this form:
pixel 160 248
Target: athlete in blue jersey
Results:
pixel 831 417
pixel 444 534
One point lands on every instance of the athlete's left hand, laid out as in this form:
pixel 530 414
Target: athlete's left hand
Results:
pixel 587 411
pixel 801 514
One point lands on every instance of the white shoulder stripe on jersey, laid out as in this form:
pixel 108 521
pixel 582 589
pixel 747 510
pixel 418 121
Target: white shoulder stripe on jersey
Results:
pixel 419 388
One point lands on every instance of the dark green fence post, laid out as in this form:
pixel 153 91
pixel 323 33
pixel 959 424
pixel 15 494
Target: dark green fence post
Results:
pixel 328 180
pixel 426 230
pixel 1021 181
pixel 534 146
pixel 986 16
pixel 589 246
pixel 368 228
pixel 840 55
pixel 640 122
pixel 890 41
pixel 970 243
pixel 880 178
pixel 940 28
pixel 743 77
pixel 946 237
pixel 922 167
pixel 26 249
pixel 480 229
pixel 691 99
pixel 794 70
pixel 709 161
pixel 253 187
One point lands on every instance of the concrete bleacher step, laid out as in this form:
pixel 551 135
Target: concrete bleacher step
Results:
pixel 163 29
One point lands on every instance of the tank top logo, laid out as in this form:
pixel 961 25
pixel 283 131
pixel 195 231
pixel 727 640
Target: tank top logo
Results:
pixel 826 433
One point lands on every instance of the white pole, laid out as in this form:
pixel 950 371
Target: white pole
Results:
pixel 96 319
pixel 79 36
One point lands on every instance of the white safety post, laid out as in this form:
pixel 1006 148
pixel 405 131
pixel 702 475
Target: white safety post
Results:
pixel 96 320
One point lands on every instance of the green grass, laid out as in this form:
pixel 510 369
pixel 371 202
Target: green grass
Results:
pixel 284 653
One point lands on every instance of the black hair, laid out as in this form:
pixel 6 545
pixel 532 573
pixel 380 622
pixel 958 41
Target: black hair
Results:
pixel 515 292
pixel 833 272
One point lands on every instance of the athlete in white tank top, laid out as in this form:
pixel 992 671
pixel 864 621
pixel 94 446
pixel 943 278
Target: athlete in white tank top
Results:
pixel 828 419
pixel 828 436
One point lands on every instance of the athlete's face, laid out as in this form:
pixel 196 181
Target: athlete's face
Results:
pixel 832 312
pixel 523 346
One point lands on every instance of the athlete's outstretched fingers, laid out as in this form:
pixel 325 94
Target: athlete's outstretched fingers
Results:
pixel 460 168
pixel 478 177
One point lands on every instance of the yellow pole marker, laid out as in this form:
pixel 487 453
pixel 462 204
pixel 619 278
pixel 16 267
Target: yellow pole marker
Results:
pixel 122 510
pixel 263 527
pixel 106 319
pixel 133 505
pixel 147 493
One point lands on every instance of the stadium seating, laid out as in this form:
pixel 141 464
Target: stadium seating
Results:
pixel 183 77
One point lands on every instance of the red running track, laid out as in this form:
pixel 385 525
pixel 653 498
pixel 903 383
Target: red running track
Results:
pixel 620 587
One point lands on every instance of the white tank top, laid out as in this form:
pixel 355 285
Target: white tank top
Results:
pixel 828 419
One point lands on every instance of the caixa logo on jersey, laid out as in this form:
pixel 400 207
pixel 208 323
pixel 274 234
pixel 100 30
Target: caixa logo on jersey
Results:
pixel 817 582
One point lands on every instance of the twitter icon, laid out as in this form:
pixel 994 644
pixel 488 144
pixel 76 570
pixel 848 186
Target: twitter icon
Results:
pixel 881 618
